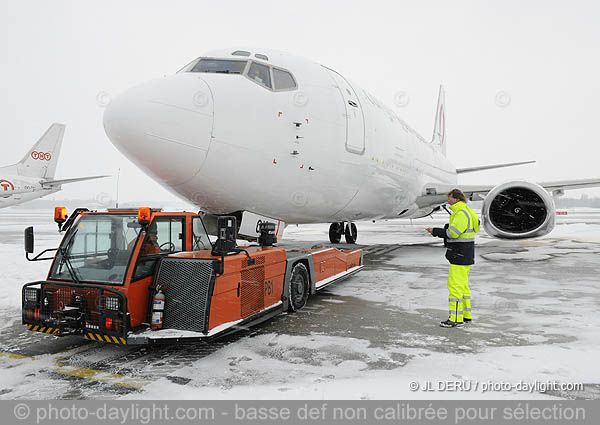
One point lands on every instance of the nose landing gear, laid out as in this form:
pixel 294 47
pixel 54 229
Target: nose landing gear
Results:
pixel 336 230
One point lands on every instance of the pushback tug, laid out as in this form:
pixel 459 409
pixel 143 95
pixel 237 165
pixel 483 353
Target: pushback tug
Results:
pixel 147 276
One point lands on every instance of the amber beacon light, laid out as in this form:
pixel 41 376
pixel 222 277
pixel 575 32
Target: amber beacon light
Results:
pixel 144 215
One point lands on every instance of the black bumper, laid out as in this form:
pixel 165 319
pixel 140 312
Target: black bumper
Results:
pixel 75 309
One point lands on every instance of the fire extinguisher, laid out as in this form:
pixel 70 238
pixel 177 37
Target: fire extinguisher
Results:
pixel 158 308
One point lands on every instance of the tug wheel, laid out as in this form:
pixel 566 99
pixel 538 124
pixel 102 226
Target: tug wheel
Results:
pixel 299 287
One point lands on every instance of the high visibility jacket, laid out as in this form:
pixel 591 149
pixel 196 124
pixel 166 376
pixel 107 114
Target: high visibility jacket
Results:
pixel 459 234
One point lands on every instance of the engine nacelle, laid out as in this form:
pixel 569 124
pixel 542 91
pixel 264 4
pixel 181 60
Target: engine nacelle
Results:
pixel 518 210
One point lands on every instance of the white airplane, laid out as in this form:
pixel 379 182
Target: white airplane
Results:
pixel 33 176
pixel 269 136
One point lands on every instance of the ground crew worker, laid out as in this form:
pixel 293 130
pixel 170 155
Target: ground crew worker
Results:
pixel 459 239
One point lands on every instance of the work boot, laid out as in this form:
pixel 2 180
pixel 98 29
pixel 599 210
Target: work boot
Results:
pixel 467 321
pixel 450 324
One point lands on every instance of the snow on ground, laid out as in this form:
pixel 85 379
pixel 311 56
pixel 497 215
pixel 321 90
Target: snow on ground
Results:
pixel 535 305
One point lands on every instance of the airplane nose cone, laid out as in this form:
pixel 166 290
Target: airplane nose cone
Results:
pixel 164 126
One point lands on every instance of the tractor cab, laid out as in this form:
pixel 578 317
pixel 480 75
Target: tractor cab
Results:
pixel 104 266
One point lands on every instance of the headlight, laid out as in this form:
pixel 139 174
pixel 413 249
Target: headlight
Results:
pixel 31 295
pixel 111 303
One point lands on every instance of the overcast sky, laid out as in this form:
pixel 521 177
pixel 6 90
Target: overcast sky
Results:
pixel 521 78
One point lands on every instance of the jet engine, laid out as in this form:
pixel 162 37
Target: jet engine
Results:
pixel 518 210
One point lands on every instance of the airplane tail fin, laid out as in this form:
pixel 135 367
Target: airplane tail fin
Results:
pixel 41 159
pixel 439 129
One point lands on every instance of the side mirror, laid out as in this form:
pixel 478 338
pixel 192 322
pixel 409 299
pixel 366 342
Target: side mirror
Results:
pixel 29 247
pixel 29 240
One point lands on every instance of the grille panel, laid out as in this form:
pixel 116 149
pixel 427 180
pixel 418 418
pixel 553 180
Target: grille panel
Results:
pixel 252 291
pixel 60 297
pixel 187 285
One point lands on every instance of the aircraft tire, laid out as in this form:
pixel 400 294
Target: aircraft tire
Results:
pixel 351 233
pixel 335 232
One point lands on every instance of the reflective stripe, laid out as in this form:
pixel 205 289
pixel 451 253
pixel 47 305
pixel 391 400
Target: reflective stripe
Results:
pixel 467 297
pixel 468 218
pixel 472 240
pixel 467 309
pixel 450 300
pixel 456 312
pixel 469 231
pixel 455 230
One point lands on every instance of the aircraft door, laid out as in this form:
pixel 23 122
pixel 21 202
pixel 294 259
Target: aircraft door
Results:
pixel 355 122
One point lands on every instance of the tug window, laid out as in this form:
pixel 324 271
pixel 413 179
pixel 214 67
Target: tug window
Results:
pixel 283 80
pixel 219 66
pixel 169 234
pixel 200 237
pixel 260 74
pixel 240 53
pixel 98 249
pixel 164 236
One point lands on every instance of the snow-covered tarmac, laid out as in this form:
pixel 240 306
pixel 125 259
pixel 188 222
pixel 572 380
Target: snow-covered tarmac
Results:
pixel 536 305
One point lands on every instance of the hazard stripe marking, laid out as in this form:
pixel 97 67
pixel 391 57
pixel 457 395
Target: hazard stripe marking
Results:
pixel 43 329
pixel 96 337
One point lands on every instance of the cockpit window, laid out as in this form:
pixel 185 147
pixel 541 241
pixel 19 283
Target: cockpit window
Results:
pixel 283 80
pixel 219 66
pixel 260 56
pixel 240 53
pixel 260 74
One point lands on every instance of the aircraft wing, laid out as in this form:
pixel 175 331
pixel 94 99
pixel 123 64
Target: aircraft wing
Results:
pixel 51 183
pixel 436 194
pixel 491 167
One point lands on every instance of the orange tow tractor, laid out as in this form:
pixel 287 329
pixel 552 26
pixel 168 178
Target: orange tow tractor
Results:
pixel 147 276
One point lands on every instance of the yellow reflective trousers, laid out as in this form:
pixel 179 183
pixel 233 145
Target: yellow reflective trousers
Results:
pixel 459 297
